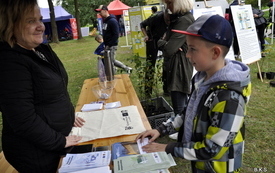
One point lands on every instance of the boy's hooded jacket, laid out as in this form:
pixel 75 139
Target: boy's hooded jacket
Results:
pixel 212 131
pixel 36 109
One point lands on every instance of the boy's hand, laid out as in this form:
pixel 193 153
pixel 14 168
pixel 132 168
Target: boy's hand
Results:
pixel 154 134
pixel 154 147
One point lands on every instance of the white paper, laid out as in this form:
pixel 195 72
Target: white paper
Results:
pixel 91 107
pixel 112 105
pixel 109 123
pixel 141 144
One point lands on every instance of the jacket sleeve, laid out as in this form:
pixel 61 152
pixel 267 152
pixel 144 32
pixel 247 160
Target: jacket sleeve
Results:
pixel 17 105
pixel 176 40
pixel 260 13
pixel 226 119
pixel 144 24
pixel 171 126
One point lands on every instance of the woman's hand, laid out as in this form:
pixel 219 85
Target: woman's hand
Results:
pixel 154 134
pixel 154 147
pixel 79 122
pixel 72 140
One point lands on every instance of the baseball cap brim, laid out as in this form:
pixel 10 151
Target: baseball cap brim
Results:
pixel 98 10
pixel 185 32
pixel 101 7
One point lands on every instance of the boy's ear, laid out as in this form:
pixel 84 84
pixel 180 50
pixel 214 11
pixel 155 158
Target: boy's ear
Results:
pixel 217 51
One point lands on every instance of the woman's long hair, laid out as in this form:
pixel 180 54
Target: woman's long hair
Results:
pixel 179 6
pixel 12 15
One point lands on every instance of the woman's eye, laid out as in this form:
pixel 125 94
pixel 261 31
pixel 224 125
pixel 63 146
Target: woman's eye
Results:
pixel 31 21
pixel 191 49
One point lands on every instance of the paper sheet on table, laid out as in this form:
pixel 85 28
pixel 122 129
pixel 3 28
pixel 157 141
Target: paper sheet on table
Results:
pixel 109 123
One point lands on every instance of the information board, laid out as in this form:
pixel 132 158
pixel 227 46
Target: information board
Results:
pixel 246 33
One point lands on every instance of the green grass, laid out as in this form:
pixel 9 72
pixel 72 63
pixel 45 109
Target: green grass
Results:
pixel 81 64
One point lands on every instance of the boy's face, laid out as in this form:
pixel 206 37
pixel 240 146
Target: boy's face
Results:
pixel 199 54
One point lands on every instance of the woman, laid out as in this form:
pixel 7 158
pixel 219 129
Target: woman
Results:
pixel 36 109
pixel 177 72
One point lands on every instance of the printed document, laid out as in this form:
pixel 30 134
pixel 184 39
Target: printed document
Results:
pixel 109 123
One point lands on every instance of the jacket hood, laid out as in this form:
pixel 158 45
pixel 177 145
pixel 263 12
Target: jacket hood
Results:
pixel 110 17
pixel 234 76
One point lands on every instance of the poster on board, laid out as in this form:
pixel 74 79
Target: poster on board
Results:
pixel 138 45
pixel 136 16
pixel 246 33
pixel 127 30
pixel 214 3
pixel 213 10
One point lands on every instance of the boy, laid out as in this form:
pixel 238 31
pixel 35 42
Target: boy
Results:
pixel 100 51
pixel 211 133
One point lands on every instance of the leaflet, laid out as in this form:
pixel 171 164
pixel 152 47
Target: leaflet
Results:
pixel 77 162
pixel 143 162
pixel 121 149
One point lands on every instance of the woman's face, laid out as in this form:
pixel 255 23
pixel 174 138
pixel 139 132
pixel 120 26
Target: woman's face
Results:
pixel 31 33
pixel 169 5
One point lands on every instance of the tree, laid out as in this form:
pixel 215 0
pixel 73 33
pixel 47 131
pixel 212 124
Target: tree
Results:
pixel 86 8
pixel 77 19
pixel 53 23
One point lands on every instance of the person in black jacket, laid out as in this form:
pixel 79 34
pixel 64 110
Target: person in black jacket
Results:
pixel 111 34
pixel 236 48
pixel 260 23
pixel 153 29
pixel 37 112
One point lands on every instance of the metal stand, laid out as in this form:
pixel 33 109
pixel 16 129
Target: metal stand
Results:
pixel 109 65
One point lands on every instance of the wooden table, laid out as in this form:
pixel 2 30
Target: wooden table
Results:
pixel 123 92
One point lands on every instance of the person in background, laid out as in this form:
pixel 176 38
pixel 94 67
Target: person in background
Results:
pixel 270 11
pixel 110 32
pixel 177 70
pixel 236 48
pixel 100 51
pixel 36 109
pixel 211 134
pixel 121 26
pixel 260 23
pixel 153 28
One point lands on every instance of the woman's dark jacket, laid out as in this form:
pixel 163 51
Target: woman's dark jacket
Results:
pixel 36 109
pixel 178 68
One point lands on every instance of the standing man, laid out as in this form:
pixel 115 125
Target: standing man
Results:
pixel 153 28
pixel 111 34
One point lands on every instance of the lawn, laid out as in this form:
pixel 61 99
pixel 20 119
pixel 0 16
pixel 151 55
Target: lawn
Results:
pixel 81 64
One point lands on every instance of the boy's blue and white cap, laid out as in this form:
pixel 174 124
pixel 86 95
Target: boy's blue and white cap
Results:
pixel 213 28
